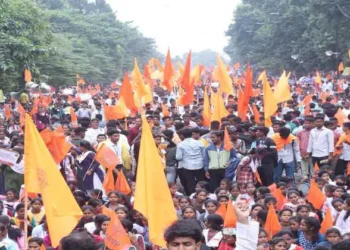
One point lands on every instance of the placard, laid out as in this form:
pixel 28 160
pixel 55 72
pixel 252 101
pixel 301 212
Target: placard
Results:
pixel 8 157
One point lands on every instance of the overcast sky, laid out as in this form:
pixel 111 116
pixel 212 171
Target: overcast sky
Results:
pixel 180 24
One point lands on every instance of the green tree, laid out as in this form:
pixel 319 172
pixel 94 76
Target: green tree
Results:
pixel 267 33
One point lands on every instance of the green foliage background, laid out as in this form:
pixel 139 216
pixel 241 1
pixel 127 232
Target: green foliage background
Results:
pixel 58 39
pixel 267 33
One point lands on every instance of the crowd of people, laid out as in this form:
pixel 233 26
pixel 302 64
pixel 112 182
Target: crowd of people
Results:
pixel 208 167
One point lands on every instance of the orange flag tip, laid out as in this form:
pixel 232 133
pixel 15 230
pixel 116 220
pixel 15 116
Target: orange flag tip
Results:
pixel 227 141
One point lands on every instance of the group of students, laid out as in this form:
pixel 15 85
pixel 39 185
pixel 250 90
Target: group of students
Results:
pixel 208 169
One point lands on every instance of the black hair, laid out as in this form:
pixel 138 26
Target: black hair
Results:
pixel 127 225
pixel 284 132
pixel 112 132
pixel 87 145
pixel 94 203
pixel 183 228
pixel 333 231
pixel 211 201
pixel 313 224
pixel 19 206
pixel 284 232
pixel 347 201
pixel 78 241
pixel 276 240
pixel 37 240
pixel 343 245
pixel 215 221
pixel 215 125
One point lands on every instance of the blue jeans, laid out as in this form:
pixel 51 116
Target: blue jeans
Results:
pixel 288 167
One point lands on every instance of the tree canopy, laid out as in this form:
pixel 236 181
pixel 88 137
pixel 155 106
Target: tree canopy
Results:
pixel 267 34
pixel 58 39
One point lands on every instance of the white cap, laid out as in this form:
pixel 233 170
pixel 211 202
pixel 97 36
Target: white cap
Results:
pixel 215 84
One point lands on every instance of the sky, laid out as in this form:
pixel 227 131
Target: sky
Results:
pixel 180 25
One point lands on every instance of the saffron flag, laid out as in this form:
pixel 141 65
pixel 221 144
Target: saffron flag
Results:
pixel 56 143
pixel 230 220
pixel 127 93
pixel 248 92
pixel 221 210
pixel 165 110
pixel 108 182
pixel 272 225
pixel 121 184
pixel 327 222
pixel 42 176
pixel 282 90
pixel 116 237
pixel 7 111
pixel 256 114
pixel 318 78
pixel 152 196
pixel 206 109
pixel 341 117
pixel 187 83
pixel 73 117
pixel 227 141
pixel 140 86
pixel 270 102
pixel 27 75
pixel 341 67
pixel 106 157
pixel 224 78
pixel 315 196
pixel 219 108
pixel 168 72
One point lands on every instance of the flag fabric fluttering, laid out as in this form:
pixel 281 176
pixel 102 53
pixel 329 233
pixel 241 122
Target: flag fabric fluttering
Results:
pixel 270 102
pixel 227 141
pixel 315 196
pixel 42 176
pixel 272 225
pixel 140 86
pixel 106 157
pixel 341 67
pixel 116 238
pixel 221 210
pixel 27 75
pixel 121 184
pixel 282 90
pixel 126 93
pixel 152 195
pixel 206 109
pixel 327 222
pixel 168 72
pixel 224 78
pixel 230 220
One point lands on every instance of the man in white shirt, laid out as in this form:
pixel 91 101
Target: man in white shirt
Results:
pixel 92 132
pixel 346 108
pixel 117 145
pixel 321 143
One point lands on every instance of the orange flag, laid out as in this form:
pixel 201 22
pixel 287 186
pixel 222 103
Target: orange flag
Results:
pixel 236 66
pixel 316 167
pixel 106 157
pixel 108 182
pixel 227 141
pixel 256 114
pixel 187 83
pixel 230 220
pixel 43 247
pixel 327 222
pixel 27 75
pixel 248 92
pixel 73 117
pixel 140 86
pixel 341 67
pixel 279 197
pixel 221 210
pixel 152 196
pixel 127 93
pixel 146 75
pixel 341 117
pixel 7 111
pixel 282 90
pixel 270 102
pixel 165 110
pixel 206 109
pixel 272 225
pixel 224 78
pixel 42 176
pixel 348 169
pixel 318 78
pixel 168 72
pixel 121 184
pixel 56 143
pixel 315 196
pixel 257 176
pixel 116 237
pixel 219 108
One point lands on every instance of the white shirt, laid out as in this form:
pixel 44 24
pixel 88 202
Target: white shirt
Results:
pixel 286 152
pixel 345 155
pixel 321 142
pixel 247 236
pixel 346 112
pixel 92 133
pixel 39 232
pixel 343 226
